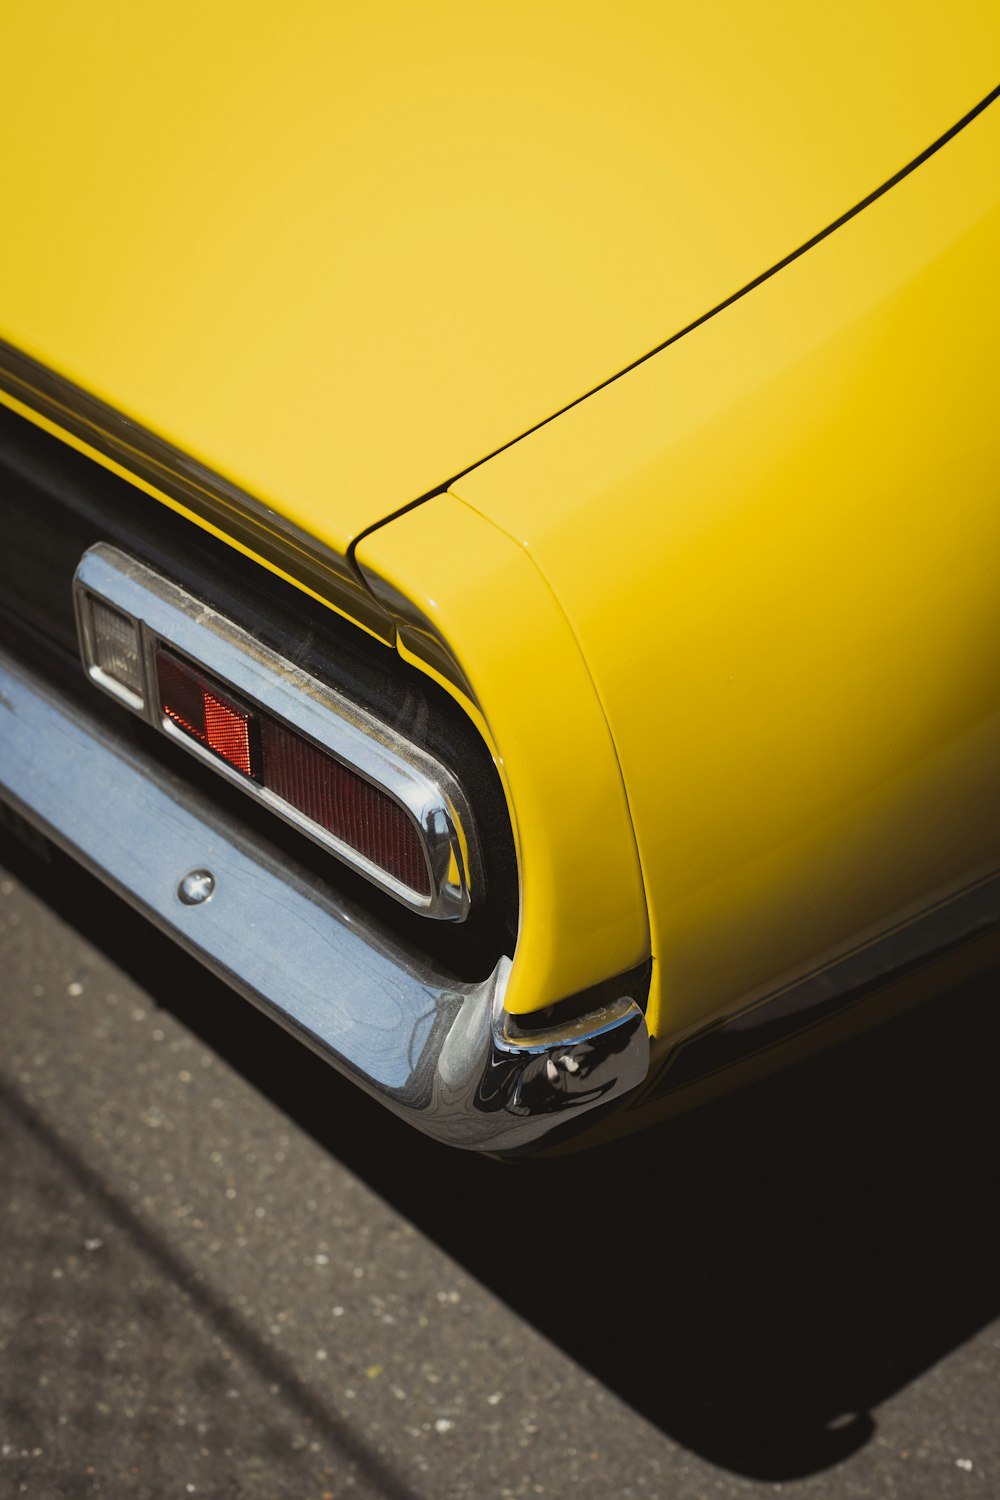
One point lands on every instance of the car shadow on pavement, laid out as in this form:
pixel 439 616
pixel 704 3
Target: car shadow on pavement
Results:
pixel 755 1277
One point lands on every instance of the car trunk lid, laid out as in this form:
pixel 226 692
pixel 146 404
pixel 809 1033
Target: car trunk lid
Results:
pixel 341 259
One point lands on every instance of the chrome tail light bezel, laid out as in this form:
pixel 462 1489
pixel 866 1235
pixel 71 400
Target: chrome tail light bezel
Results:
pixel 164 613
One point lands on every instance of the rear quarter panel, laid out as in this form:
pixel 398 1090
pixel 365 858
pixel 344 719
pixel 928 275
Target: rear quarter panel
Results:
pixel 777 545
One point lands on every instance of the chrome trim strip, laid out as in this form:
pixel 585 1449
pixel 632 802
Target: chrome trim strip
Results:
pixel 207 494
pixel 442 1054
pixel 425 790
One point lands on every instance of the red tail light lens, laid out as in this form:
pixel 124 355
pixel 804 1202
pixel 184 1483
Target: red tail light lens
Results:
pixel 343 803
pixel 293 770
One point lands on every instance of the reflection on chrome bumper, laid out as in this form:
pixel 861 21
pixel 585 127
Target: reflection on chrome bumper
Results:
pixel 443 1054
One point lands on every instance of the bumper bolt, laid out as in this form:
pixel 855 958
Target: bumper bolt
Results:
pixel 196 887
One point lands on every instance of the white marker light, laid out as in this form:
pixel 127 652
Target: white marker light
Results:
pixel 115 652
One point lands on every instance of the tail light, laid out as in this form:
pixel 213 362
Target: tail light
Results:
pixel 351 783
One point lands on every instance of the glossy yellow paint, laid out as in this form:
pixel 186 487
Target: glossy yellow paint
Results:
pixel 459 586
pixel 339 253
pixel 777 544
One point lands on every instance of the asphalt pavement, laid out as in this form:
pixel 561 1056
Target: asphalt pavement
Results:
pixel 225 1272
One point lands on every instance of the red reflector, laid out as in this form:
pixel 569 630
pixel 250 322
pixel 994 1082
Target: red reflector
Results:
pixel 343 803
pixel 198 706
pixel 228 733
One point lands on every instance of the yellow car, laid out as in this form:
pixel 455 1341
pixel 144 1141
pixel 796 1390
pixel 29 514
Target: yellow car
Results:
pixel 522 484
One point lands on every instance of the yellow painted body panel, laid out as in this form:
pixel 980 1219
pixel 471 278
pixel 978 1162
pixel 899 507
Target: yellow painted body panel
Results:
pixel 459 585
pixel 338 254
pixel 777 545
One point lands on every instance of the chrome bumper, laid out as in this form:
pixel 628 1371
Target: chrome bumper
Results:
pixel 443 1054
